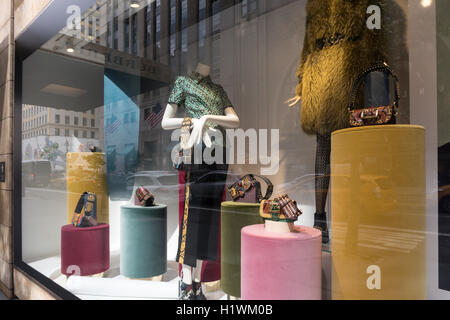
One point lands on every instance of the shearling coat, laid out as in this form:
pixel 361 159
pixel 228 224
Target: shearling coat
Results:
pixel 338 46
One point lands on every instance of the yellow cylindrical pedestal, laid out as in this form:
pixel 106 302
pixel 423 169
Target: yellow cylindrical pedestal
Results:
pixel 378 213
pixel 86 172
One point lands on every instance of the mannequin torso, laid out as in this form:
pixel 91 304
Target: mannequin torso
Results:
pixel 199 130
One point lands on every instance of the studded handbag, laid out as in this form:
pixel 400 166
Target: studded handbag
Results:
pixel 88 218
pixel 248 189
pixel 373 115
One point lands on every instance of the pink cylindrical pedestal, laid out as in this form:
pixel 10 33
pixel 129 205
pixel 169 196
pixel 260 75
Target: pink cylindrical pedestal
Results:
pixel 281 266
pixel 84 251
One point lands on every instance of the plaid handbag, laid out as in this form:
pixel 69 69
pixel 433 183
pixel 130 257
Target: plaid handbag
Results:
pixel 281 208
pixel 248 189
pixel 143 197
pixel 88 218
pixel 373 115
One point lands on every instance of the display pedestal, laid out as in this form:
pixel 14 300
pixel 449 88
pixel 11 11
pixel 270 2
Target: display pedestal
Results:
pixel 378 213
pixel 86 172
pixel 84 251
pixel 281 266
pixel 235 216
pixel 278 226
pixel 143 241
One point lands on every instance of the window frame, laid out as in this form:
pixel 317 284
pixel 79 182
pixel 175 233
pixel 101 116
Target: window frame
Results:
pixel 50 21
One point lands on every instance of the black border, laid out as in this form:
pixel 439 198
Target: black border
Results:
pixel 43 28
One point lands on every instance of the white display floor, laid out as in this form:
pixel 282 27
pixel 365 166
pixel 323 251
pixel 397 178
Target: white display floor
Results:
pixel 113 286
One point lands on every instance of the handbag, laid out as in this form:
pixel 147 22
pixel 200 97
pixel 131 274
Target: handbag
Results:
pixel 88 218
pixel 248 189
pixel 373 115
pixel 281 208
pixel 143 197
pixel 183 157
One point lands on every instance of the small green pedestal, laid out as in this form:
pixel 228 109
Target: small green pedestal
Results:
pixel 143 241
pixel 235 216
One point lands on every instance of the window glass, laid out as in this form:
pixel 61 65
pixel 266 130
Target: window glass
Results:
pixel 262 88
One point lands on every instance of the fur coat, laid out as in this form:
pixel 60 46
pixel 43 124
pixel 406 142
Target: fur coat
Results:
pixel 338 46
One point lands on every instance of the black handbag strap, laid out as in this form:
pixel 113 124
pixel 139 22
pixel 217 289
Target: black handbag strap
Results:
pixel 81 201
pixel 381 67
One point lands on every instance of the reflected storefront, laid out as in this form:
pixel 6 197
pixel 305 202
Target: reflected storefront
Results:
pixel 114 97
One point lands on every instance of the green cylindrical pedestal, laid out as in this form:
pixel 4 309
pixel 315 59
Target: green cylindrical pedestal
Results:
pixel 235 216
pixel 143 241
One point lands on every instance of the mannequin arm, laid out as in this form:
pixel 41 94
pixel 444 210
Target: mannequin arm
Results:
pixel 229 120
pixel 169 122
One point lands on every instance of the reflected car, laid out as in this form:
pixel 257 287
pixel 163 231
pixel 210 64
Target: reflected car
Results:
pixel 163 184
pixel 165 187
pixel 36 173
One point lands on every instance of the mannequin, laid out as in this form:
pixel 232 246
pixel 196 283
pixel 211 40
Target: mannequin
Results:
pixel 229 120
pixel 200 133
pixel 337 47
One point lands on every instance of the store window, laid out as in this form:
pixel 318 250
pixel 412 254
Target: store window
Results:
pixel 349 205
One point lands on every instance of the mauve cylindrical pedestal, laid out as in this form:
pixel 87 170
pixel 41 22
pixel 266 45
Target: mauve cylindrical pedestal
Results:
pixel 281 266
pixel 84 251
pixel 143 241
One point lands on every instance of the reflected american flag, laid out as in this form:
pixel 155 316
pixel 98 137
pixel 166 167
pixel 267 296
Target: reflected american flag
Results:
pixel 114 124
pixel 155 116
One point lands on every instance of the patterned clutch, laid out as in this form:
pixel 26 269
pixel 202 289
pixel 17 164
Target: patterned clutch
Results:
pixel 143 197
pixel 281 208
pixel 373 115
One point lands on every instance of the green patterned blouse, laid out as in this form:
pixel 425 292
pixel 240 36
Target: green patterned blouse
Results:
pixel 199 96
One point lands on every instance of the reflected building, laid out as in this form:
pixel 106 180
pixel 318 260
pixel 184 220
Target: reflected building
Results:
pixel 140 52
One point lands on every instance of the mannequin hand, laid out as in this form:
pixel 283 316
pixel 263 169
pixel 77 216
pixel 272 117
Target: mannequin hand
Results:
pixel 201 128
pixel 197 131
